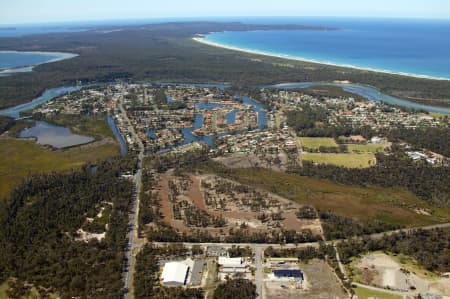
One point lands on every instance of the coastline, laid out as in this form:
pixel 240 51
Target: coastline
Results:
pixel 201 39
pixel 28 68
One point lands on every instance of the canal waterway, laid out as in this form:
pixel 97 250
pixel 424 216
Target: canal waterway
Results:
pixel 368 92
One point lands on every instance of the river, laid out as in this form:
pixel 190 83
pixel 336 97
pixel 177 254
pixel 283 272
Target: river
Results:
pixel 368 92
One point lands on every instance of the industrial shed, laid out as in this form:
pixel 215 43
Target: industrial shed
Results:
pixel 235 264
pixel 288 273
pixel 174 274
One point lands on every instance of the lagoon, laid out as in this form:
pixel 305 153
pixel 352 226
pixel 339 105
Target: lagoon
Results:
pixel 55 136
pixel 18 62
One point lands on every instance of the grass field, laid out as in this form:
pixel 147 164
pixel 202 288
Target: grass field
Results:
pixel 21 158
pixel 392 205
pixel 351 160
pixel 316 142
pixel 365 148
pixel 364 293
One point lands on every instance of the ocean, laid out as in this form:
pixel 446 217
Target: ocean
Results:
pixel 418 47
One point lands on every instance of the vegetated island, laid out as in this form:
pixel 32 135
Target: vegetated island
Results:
pixel 166 52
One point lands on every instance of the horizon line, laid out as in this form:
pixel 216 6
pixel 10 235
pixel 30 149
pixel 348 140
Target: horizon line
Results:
pixel 75 21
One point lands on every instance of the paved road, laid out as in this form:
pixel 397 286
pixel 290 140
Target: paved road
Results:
pixel 259 272
pixel 132 233
pixel 252 245
pixel 299 245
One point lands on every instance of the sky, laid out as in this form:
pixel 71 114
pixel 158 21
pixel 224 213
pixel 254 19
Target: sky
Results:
pixel 45 11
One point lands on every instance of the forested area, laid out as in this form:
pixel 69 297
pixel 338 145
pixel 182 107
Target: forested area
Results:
pixel 5 123
pixel 38 238
pixel 166 53
pixel 430 248
pixel 312 122
pixel 426 181
pixel 340 227
pixel 235 288
pixel 303 254
pixel 147 275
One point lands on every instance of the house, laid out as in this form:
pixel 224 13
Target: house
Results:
pixel 357 139
pixel 377 140
pixel 175 274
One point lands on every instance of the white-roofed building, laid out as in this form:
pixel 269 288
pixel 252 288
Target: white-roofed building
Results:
pixel 174 274
pixel 235 264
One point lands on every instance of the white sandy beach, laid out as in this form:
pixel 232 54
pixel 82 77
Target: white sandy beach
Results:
pixel 202 40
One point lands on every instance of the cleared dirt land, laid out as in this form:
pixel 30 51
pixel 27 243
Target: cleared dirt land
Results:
pixel 320 283
pixel 382 270
pixel 216 205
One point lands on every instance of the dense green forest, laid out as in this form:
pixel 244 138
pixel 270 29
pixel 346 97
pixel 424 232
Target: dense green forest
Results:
pixel 5 123
pixel 430 248
pixel 339 227
pixel 166 53
pixel 426 181
pixel 303 254
pixel 38 232
pixel 235 288
pixel 146 281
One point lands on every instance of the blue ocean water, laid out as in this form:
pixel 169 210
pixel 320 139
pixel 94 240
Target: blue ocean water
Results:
pixel 412 46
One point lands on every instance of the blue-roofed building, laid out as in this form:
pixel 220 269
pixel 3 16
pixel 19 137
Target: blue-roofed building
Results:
pixel 288 273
